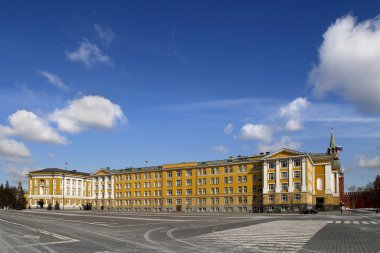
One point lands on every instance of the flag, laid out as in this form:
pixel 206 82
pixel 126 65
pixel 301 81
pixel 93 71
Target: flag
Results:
pixel 339 148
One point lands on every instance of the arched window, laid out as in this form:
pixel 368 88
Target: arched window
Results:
pixel 319 184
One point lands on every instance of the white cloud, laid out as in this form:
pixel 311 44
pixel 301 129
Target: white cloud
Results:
pixel 54 80
pixel 16 174
pixel 221 149
pixel 228 129
pixel 29 126
pixel 88 112
pixel 349 60
pixel 293 112
pixel 104 33
pixel 369 163
pixel 256 132
pixel 13 151
pixel 89 54
pixel 284 142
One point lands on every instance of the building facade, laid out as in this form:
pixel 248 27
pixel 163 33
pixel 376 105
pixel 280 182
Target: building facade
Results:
pixel 70 189
pixel 282 181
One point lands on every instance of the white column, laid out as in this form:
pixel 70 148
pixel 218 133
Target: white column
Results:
pixel 106 187
pixel 290 176
pixel 84 188
pixel 328 189
pixel 336 184
pixel 278 186
pixel 77 188
pixel 303 174
pixel 112 186
pixel 71 187
pixel 93 188
pixel 265 177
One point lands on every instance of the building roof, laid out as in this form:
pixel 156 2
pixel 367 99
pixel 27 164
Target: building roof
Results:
pixel 57 170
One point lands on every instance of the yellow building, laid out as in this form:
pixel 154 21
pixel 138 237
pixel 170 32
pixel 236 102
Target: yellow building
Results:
pixel 282 181
pixel 70 189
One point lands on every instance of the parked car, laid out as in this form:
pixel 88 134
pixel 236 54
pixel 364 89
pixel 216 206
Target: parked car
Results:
pixel 309 211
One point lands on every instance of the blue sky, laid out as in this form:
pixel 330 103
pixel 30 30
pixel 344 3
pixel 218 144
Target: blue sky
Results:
pixel 100 84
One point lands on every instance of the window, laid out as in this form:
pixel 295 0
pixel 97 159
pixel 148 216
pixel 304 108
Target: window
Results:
pixel 179 183
pixel 226 180
pixel 272 165
pixel 169 183
pixel 297 162
pixel 188 182
pixel 230 180
pixel 169 201
pixel 230 190
pixel 225 189
pixel 245 189
pixel 271 187
pixel 284 186
pixel 169 174
pixel 240 189
pixel 284 197
pixel 239 179
pixel 212 191
pixel 200 181
pixel 216 170
pixel 216 190
pixel 284 175
pixel 284 163
pixel 188 201
pixel 297 174
pixel 204 191
pixel 188 173
pixel 204 181
pixel 179 173
pixel 245 179
pixel 212 181
pixel 297 197
pixel 297 186
pixel 179 201
pixel 169 192
pixel 202 171
pixel 179 192
pixel 216 180
pixel 271 176
pixel 188 192
pixel 240 168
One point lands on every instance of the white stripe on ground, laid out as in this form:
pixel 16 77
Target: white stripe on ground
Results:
pixel 282 235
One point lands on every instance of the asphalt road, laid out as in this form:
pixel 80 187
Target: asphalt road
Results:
pixel 107 232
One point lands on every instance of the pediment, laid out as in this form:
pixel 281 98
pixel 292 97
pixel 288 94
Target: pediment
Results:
pixel 283 153
pixel 101 172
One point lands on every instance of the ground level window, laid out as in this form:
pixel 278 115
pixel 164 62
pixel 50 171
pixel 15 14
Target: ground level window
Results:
pixel 283 209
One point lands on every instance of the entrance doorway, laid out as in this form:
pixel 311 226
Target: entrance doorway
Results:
pixel 320 203
pixel 178 208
